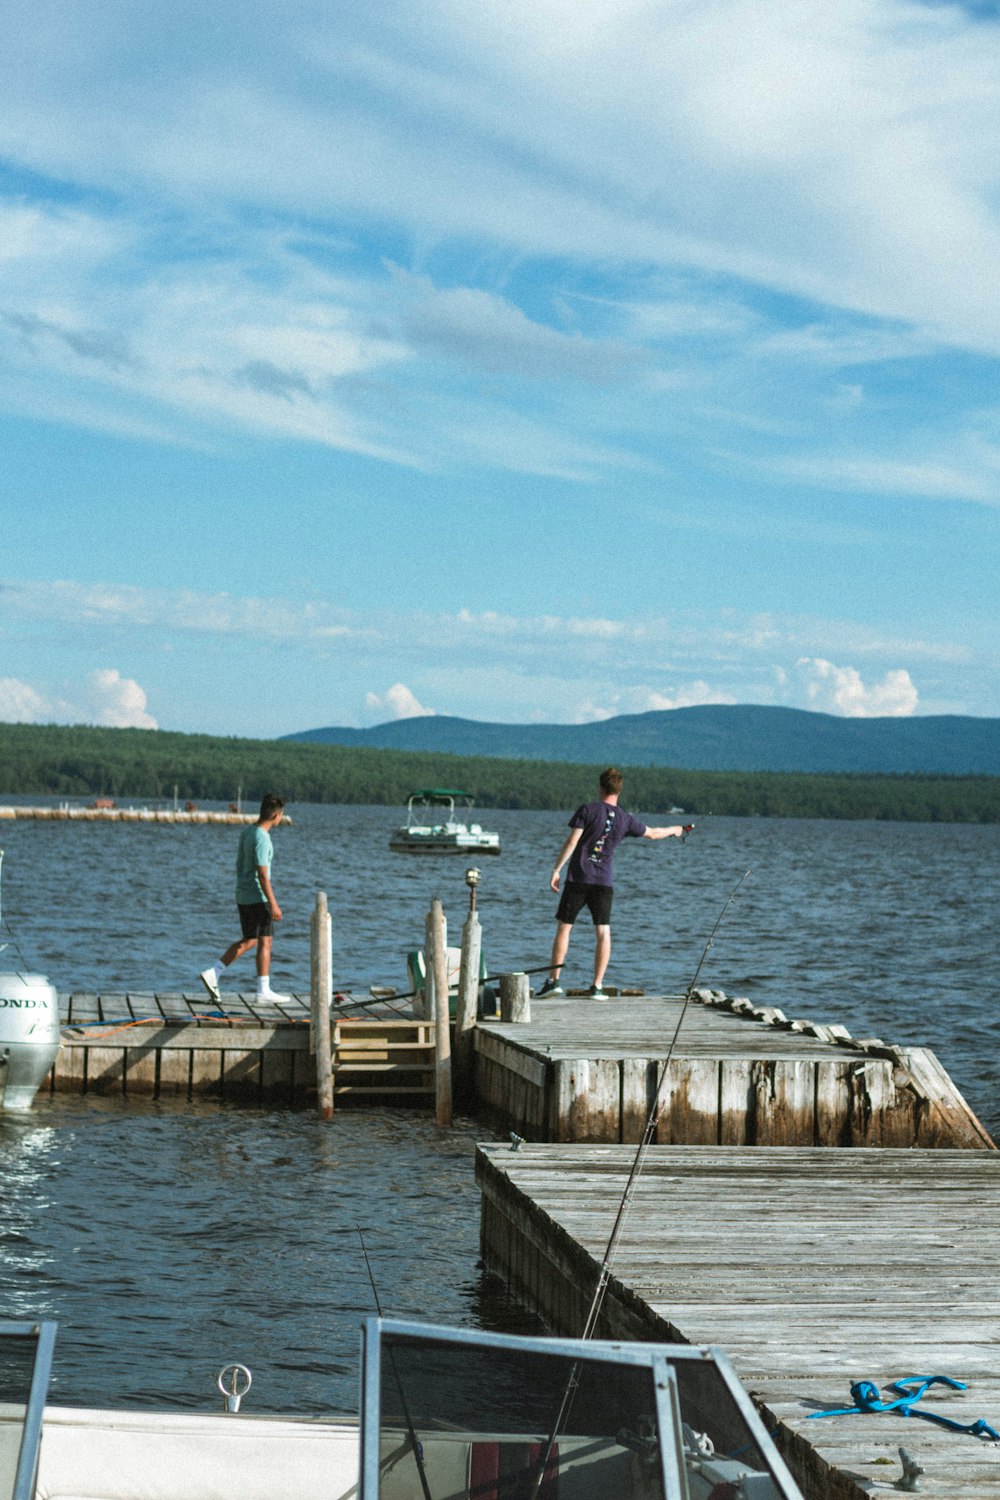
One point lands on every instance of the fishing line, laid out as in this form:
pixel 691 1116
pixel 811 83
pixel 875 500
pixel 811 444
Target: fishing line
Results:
pixel 626 1203
pixel 6 927
pixel 348 1002
pixel 651 1127
pixel 411 1431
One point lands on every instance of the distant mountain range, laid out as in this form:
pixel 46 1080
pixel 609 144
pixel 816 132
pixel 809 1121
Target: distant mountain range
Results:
pixel 712 737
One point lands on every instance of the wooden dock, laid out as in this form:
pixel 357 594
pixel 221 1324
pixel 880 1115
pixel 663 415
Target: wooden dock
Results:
pixel 579 1071
pixel 170 1045
pixel 811 1268
pixel 586 1070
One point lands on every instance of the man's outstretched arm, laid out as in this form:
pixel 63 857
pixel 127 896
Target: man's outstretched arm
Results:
pixel 675 831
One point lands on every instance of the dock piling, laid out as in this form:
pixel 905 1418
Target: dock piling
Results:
pixel 424 1004
pixel 437 966
pixel 515 998
pixel 320 996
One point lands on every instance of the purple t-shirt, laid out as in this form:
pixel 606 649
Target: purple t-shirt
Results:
pixel 604 826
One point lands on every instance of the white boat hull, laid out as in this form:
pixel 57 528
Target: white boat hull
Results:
pixel 147 1455
pixel 434 841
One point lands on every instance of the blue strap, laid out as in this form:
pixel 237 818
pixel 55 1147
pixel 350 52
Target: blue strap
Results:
pixel 868 1398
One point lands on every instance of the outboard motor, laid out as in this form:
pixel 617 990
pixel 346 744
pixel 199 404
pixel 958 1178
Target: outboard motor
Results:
pixel 29 1036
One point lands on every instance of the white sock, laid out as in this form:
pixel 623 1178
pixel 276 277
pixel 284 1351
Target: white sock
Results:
pixel 219 968
pixel 263 985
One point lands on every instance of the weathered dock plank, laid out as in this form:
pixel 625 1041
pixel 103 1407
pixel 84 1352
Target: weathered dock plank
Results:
pixel 811 1267
pixel 587 1071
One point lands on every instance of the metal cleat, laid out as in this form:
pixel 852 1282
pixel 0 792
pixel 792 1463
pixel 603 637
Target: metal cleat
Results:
pixel 910 1479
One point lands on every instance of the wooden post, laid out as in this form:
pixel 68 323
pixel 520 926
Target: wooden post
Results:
pixel 437 964
pixel 427 1014
pixel 320 996
pixel 467 1007
pixel 515 998
pixel 425 1011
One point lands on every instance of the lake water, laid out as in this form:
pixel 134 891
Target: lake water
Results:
pixel 169 1240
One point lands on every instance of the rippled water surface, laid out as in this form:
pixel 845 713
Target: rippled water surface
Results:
pixel 170 1240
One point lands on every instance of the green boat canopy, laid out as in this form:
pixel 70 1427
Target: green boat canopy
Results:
pixel 434 792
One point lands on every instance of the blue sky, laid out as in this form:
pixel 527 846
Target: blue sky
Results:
pixel 529 361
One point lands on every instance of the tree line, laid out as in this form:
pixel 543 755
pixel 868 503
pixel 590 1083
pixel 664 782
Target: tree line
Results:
pixel 82 761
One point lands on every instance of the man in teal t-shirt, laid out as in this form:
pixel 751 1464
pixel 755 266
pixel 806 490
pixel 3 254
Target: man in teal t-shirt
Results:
pixel 256 903
pixel 254 852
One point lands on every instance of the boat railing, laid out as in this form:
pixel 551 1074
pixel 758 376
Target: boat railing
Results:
pixel 25 1367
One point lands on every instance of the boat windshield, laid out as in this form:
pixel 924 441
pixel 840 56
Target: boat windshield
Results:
pixel 469 1415
pixel 419 802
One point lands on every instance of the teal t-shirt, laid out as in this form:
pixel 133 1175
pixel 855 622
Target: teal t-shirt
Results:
pixel 255 848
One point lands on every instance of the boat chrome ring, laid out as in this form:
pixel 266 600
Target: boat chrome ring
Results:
pixel 229 1383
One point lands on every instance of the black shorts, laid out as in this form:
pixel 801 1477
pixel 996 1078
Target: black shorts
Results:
pixel 255 919
pixel 576 896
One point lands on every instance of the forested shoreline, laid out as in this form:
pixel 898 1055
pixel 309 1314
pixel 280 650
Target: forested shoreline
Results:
pixel 81 761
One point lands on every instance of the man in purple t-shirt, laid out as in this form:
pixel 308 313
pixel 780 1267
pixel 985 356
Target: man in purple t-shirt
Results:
pixel 596 830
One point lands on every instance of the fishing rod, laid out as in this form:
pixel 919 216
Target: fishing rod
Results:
pixel 348 1002
pixel 626 1202
pixel 390 1000
pixel 5 926
pixel 651 1127
pixel 411 1431
pixel 409 994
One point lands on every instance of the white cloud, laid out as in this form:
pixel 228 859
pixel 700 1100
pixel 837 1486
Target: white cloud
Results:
pixel 399 702
pixel 70 241
pixel 844 153
pixel 108 699
pixel 618 130
pixel 488 665
pixel 819 344
pixel 591 713
pixel 115 606
pixel 118 702
pixel 688 697
pixel 493 335
pixel 680 645
pixel 840 690
pixel 929 479
pixel 642 700
pixel 266 342
pixel 20 703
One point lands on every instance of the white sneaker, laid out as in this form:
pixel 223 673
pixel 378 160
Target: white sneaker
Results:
pixel 272 999
pixel 208 979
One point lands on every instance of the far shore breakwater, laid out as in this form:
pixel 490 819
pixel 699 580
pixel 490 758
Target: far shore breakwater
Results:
pixel 109 812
